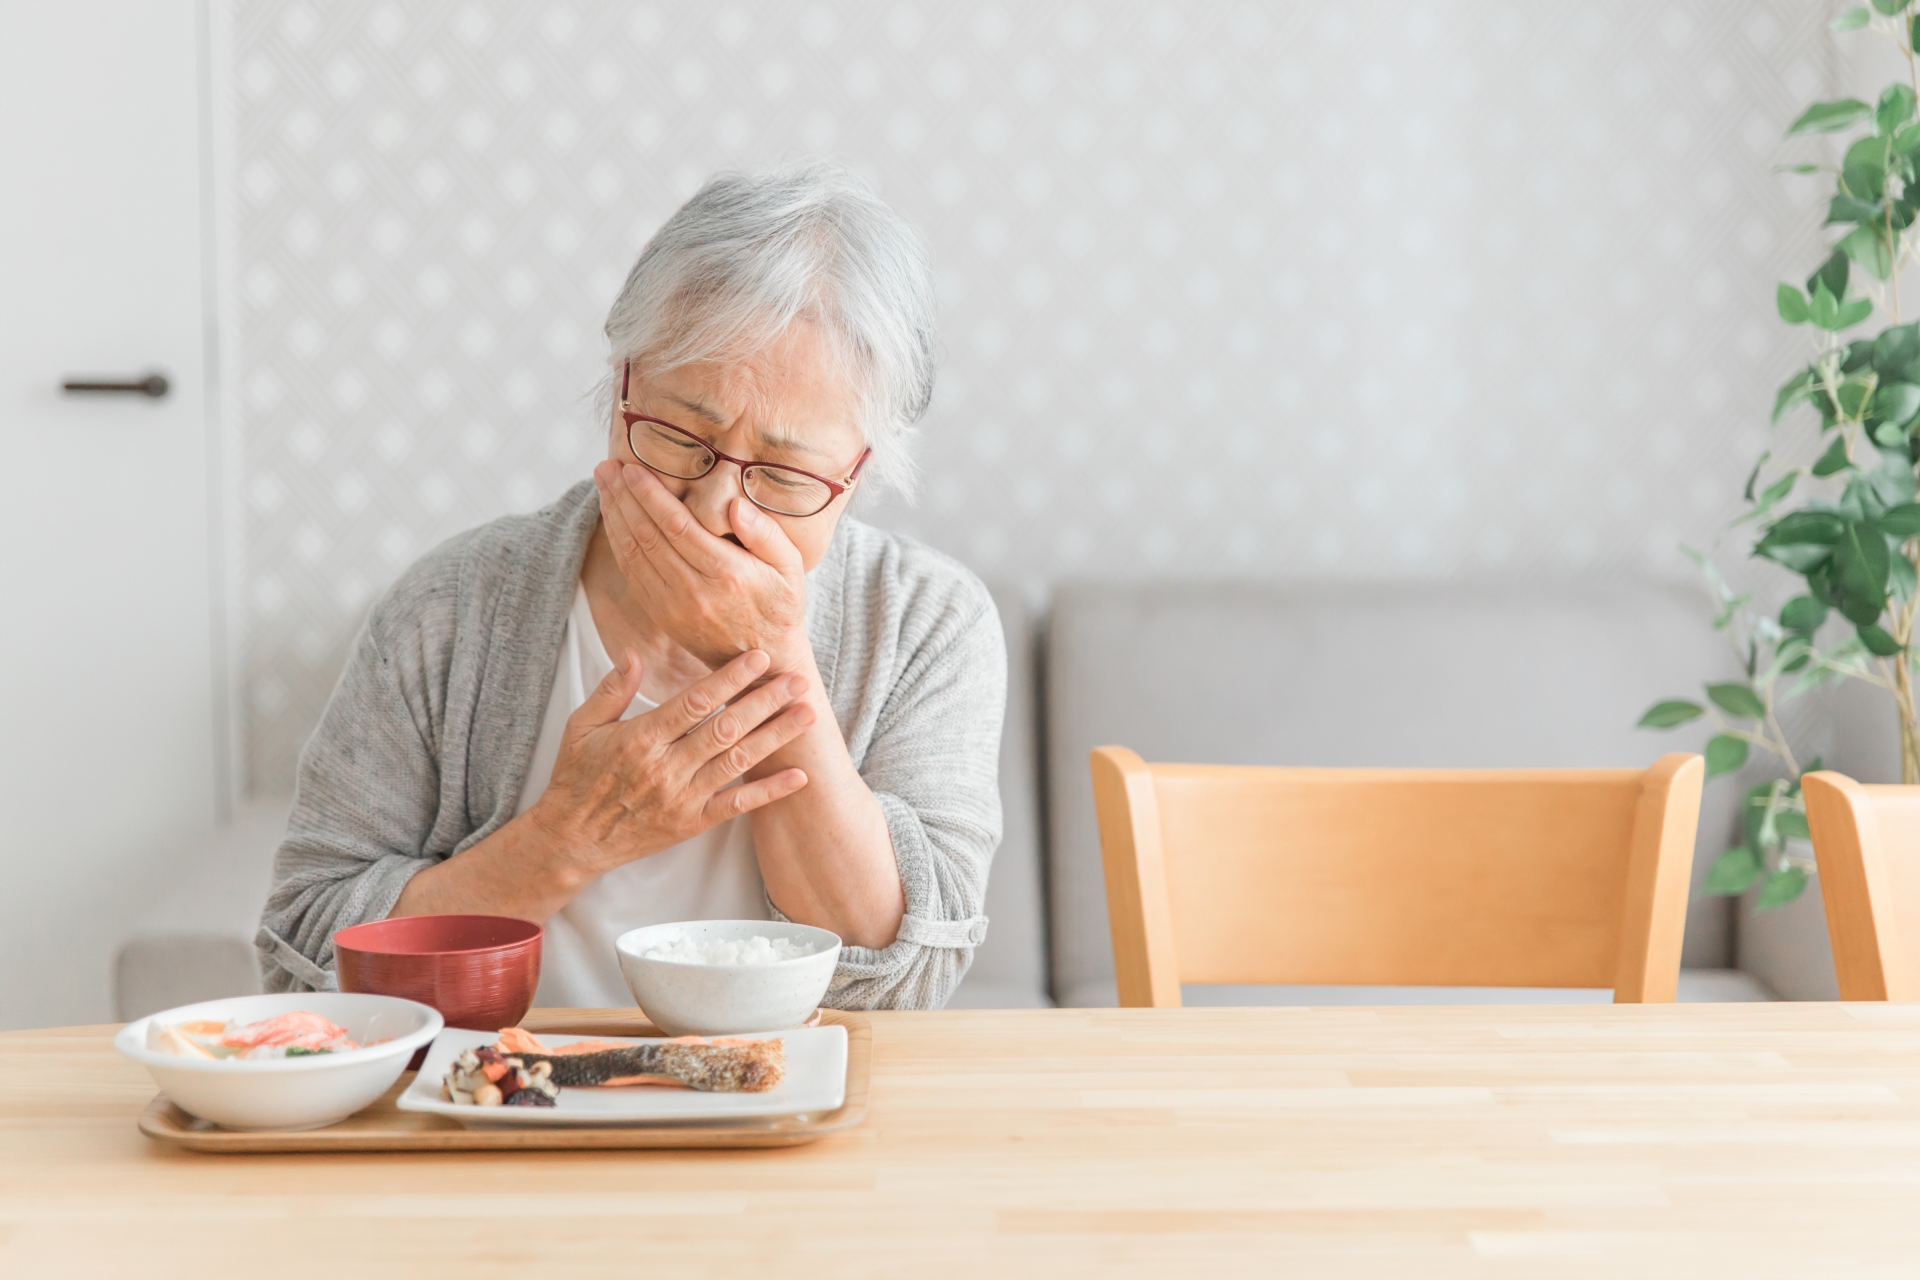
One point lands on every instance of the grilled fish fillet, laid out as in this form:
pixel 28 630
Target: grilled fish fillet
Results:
pixel 730 1066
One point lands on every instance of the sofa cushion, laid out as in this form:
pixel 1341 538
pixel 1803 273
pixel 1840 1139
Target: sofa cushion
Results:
pixel 1009 969
pixel 1456 676
pixel 158 971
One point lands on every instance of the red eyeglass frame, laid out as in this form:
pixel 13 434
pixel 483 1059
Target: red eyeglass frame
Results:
pixel 834 488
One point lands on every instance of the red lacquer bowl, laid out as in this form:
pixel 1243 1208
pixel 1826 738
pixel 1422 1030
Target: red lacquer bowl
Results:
pixel 478 971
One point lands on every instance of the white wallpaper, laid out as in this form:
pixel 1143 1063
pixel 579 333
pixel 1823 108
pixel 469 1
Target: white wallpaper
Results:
pixel 1287 290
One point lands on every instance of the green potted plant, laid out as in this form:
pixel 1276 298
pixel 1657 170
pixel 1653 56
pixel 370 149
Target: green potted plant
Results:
pixel 1845 523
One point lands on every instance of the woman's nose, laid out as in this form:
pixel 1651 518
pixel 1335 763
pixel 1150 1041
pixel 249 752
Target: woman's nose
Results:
pixel 709 497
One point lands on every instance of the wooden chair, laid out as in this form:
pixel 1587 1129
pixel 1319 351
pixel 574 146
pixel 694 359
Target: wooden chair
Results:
pixel 1867 840
pixel 1402 877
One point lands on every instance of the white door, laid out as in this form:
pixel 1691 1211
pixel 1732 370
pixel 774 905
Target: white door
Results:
pixel 107 682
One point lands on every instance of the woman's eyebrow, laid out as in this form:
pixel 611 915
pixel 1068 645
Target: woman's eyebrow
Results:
pixel 699 410
pixel 769 437
pixel 776 438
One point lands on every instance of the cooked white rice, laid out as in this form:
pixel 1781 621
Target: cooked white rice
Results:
pixel 682 949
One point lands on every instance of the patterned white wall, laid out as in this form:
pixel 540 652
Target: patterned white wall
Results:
pixel 1287 289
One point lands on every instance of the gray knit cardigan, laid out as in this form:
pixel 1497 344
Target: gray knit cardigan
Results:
pixel 425 744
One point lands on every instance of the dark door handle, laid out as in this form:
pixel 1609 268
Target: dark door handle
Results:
pixel 154 385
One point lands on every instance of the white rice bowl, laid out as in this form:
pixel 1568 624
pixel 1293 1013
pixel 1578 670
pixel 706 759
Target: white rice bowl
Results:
pixel 770 975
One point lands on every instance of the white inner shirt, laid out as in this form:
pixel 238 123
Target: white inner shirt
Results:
pixel 713 876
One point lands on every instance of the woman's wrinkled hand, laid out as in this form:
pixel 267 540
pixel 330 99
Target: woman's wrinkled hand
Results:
pixel 623 789
pixel 714 599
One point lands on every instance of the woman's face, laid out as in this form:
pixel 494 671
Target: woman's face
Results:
pixel 789 405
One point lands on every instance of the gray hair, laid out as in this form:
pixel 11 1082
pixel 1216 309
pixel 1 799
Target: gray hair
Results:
pixel 750 254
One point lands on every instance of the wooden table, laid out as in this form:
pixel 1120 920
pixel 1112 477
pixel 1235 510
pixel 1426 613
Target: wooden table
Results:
pixel 1751 1140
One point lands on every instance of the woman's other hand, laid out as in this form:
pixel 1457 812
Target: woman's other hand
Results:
pixel 713 598
pixel 623 789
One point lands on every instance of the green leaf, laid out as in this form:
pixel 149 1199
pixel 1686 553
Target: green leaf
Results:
pixel 1895 109
pixel 1861 563
pixel 1674 711
pixel 1753 809
pixel 1777 490
pixel 1892 480
pixel 1832 273
pixel 1902 521
pixel 1852 313
pixel 1781 887
pixel 1823 306
pixel 1725 753
pixel 1733 871
pixel 1848 209
pixel 1858 502
pixel 1737 700
pixel 1896 350
pixel 1851 19
pixel 1829 117
pixel 1798 557
pixel 1791 303
pixel 1821 588
pixel 1906 137
pixel 1851 397
pixel 1867 246
pixel 1834 459
pixel 1822 528
pixel 1902 580
pixel 1794 389
pixel 1863 170
pixel 1879 643
pixel 1891 7
pixel 1864 180
pixel 1792 824
pixel 1896 402
pixel 1887 435
pixel 1803 613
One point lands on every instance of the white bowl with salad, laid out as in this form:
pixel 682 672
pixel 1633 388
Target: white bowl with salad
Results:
pixel 282 1061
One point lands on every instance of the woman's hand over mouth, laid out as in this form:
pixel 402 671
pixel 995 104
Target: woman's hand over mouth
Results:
pixel 716 596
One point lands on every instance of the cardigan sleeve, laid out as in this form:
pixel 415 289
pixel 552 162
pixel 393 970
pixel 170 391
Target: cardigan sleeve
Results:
pixel 933 765
pixel 363 806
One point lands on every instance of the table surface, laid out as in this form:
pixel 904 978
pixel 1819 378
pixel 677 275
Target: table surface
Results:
pixel 1748 1139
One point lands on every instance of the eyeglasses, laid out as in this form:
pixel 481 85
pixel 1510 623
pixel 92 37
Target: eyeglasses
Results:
pixel 785 491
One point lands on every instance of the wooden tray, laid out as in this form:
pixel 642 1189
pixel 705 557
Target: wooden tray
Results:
pixel 384 1127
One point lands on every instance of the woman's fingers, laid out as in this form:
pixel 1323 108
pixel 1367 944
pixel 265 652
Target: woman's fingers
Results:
pixel 670 518
pixel 762 535
pixel 617 512
pixel 705 696
pixel 749 796
pixel 733 761
pixel 742 717
pixel 611 697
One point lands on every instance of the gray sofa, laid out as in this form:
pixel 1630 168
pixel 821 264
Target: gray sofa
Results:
pixel 1466 676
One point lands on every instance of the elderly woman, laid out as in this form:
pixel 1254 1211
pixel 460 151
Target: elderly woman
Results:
pixel 692 688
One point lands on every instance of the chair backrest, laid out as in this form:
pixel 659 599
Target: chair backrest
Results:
pixel 1407 877
pixel 1385 675
pixel 1867 840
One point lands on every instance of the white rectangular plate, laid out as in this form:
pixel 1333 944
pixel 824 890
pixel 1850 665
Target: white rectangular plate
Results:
pixel 815 1083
